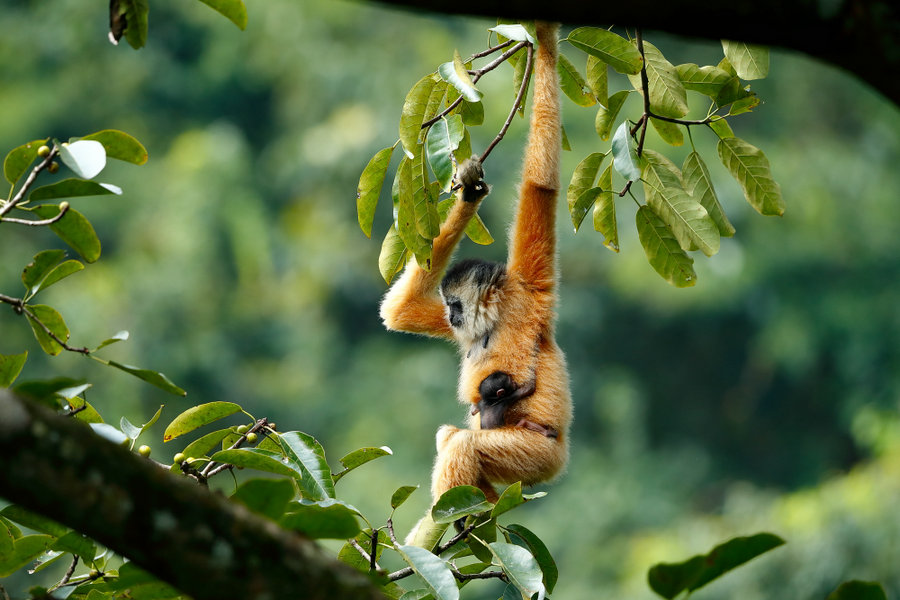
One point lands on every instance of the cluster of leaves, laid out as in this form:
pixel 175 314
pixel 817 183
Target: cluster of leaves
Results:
pixel 681 211
pixel 130 18
pixel 86 158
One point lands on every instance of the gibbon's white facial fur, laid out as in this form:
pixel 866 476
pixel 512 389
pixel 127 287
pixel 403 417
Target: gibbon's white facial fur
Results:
pixel 471 292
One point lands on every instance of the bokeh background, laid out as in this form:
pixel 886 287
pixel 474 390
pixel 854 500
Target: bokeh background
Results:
pixel 763 399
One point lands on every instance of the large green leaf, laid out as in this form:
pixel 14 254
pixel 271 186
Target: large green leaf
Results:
pixel 668 131
pixel 478 232
pixel 198 416
pixel 686 218
pixel 233 9
pixel 34 521
pixel 749 61
pixel 74 229
pixel 19 160
pixel 136 15
pixel 583 204
pixel 698 184
pixel 406 203
pixel 443 139
pixel 609 47
pixel 662 249
pixel 25 550
pixel 10 367
pixel 413 114
pixel 598 79
pixel 203 445
pixel 750 168
pixel 434 103
pixel 667 95
pixel 393 255
pixel 152 377
pixel 52 320
pixel 572 83
pixel 520 567
pixel 120 145
pixel 259 459
pixel 606 116
pixel 670 580
pixel 521 536
pixel 267 497
pixel 455 74
pixel 582 180
pixel 433 570
pixel 707 80
pixel 369 188
pixel 323 519
pixel 76 544
pixel 605 212
pixel 316 482
pixel 625 159
pixel 508 500
pixel 459 502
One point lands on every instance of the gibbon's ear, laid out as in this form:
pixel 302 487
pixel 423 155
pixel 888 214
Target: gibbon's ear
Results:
pixel 491 293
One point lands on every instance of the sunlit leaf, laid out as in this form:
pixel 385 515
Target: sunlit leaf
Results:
pixel 750 168
pixel 234 10
pixel 667 95
pixel 198 416
pixel 605 212
pixel 324 519
pixel 459 502
pixel 357 458
pixel 625 159
pixel 369 188
pixel 19 160
pixel 749 61
pixel 572 83
pixel 707 80
pixel 698 184
pixel 606 116
pixel 520 567
pixel 478 232
pixel 401 494
pixel 393 255
pixel 120 145
pixel 609 47
pixel 74 229
pixel 743 105
pixel 670 580
pixel 455 74
pixel 413 114
pixel 597 78
pixel 668 131
pixel 315 482
pixel 85 157
pixel 663 251
pixel 443 139
pixel 521 536
pixel 152 377
pixel 53 321
pixel 515 32
pixel 434 103
pixel 433 570
pixel 721 128
pixel 10 367
pixel 508 500
pixel 582 179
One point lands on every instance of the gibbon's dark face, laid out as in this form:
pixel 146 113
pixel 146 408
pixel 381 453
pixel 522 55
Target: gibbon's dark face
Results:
pixel 465 292
pixel 496 391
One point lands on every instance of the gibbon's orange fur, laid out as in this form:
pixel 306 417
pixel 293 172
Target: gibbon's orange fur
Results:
pixel 519 338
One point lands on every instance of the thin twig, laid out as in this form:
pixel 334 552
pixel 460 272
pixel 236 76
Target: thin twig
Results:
pixel 70 572
pixel 29 182
pixel 519 98
pixel 645 87
pixel 400 574
pixel 53 336
pixel 63 209
pixel 372 564
pixel 500 59
pixel 489 51
pixel 209 470
pixel 488 575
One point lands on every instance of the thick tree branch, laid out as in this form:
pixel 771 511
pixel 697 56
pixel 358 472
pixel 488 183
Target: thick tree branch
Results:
pixel 184 534
pixel 857 35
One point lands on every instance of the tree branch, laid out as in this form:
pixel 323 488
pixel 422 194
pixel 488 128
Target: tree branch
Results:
pixel 195 540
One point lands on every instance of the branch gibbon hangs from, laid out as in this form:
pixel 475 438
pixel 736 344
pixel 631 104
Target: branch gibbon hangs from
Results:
pixel 502 316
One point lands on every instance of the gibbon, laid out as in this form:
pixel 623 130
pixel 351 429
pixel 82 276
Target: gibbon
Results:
pixel 502 316
pixel 498 393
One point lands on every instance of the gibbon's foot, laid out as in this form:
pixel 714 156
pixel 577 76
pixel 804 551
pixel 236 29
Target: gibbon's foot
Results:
pixel 470 176
pixel 546 430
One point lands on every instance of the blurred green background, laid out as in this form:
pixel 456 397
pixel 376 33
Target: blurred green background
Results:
pixel 765 398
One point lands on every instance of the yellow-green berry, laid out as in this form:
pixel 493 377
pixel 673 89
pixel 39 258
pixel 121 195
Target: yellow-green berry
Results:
pixel 179 458
pixel 44 151
pixel 252 437
pixel 53 167
pixel 242 429
pixel 144 451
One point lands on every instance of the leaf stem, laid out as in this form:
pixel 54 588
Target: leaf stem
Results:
pixel 63 209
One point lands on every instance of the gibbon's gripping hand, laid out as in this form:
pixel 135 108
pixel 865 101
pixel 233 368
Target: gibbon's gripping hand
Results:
pixel 470 175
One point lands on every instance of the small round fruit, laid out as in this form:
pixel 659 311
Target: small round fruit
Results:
pixel 144 450
pixel 94 574
pixel 179 458
pixel 252 437
pixel 44 151
pixel 242 429
pixel 53 167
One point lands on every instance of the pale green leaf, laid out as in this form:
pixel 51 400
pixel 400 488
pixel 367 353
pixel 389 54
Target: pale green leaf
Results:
pixel 515 32
pixel 749 61
pixel 667 95
pixel 663 251
pixel 750 168
pixel 433 570
pixel 625 159
pixel 120 336
pixel 605 212
pixel 393 255
pixel 520 566
pixel 572 83
pixel 25 550
pixel 521 536
pixel 668 131
pixel 596 75
pixel 413 114
pixel 234 10
pixel 721 128
pixel 455 74
pixel 120 145
pixel 203 445
pixel 369 188
pixel 199 416
pixel 10 367
pixel 583 179
pixel 443 139
pixel 707 80
pixel 609 47
pixel 698 184
pixel 606 115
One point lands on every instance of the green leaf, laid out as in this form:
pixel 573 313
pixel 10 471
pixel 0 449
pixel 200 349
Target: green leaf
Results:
pixel 443 139
pixel 669 580
pixel 459 502
pixel 73 188
pixel 46 392
pixel 625 158
pixel 267 497
pixel 455 74
pixel 434 103
pixel 478 232
pixel 669 132
pixel 605 212
pixel 369 188
pixel 360 457
pixel 19 160
pixel 401 494
pixel 519 67
pixel 582 179
pixel 667 95
pixel 198 416
pixel 393 255
pixel 583 204
pixel 406 207
pixel 329 519
pixel 433 570
pixel 515 32
pixel 663 251
pixel 120 145
pixel 749 61
pixel 598 79
pixel 7 538
pixel 572 83
pixel 10 367
pixel 698 184
pixel 88 414
pixel 41 313
pixel 606 116
pixel 86 158
pixel 26 549
pixel 351 556
pixel 481 536
pixel 39 267
pixel 259 459
pixel 750 167
pixel 136 15
pixel 315 481
pixel 75 543
pixel 743 105
pixel 34 521
pixel 413 114
pixel 203 445
pixel 508 500
pixel 609 47
pixel 520 566
pixel 74 229
pixel 858 590
pixel 120 336
pixel 152 377
pixel 707 80
pixel 234 10
pixel 721 128
pixel 521 536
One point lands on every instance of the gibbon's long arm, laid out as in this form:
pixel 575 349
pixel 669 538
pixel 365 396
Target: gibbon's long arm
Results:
pixel 413 303
pixel 532 251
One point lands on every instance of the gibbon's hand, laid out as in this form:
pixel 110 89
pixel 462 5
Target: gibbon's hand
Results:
pixel 470 175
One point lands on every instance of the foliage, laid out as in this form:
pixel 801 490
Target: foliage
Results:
pixel 681 211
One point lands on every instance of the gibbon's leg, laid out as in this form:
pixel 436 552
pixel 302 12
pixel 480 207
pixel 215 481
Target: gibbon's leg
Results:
pixel 412 304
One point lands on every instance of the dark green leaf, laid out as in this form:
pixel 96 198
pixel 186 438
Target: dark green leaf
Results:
pixel 233 9
pixel 73 188
pixel 669 580
pixel 26 549
pixel 582 180
pixel 45 392
pixel 7 538
pixel 402 493
pixel 19 160
pixel 120 145
pixel 151 377
pixel 858 590
pixel 459 502
pixel 259 459
pixel 10 367
pixel 509 499
pixel 605 212
pixel 481 536
pixel 34 521
pixel 522 536
pixel 433 570
pixel 609 47
pixel 351 556
pixel 42 316
pixel 663 251
pixel 606 116
pixel 267 497
pixel 572 83
pixel 74 229
pixel 39 267
pixel 360 457
pixel 75 543
pixel 315 482
pixel 329 519
pixel 369 188
pixel 198 416
pixel 750 168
